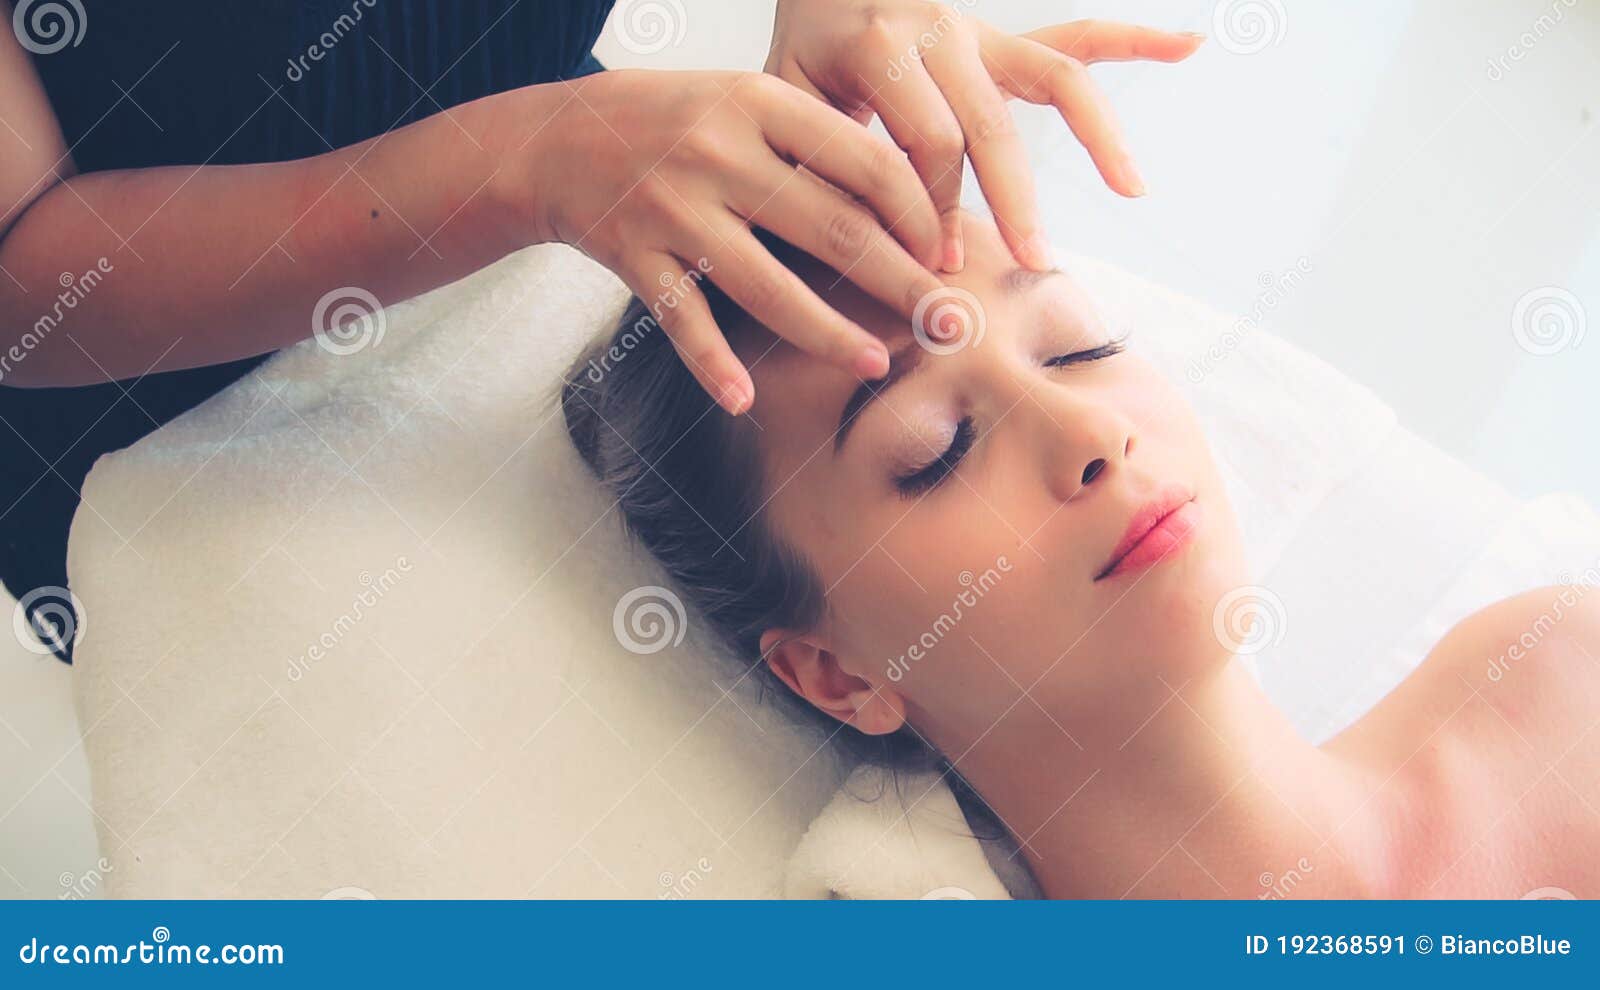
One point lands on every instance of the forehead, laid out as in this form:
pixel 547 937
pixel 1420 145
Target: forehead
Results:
pixel 990 274
pixel 799 397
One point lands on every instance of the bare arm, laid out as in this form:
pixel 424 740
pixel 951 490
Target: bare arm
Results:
pixel 200 265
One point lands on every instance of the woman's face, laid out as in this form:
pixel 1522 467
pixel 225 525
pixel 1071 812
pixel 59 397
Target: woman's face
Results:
pixel 966 514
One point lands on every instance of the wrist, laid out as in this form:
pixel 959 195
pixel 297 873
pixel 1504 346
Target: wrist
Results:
pixel 517 130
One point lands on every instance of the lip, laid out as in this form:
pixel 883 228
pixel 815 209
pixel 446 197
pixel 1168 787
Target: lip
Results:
pixel 1160 529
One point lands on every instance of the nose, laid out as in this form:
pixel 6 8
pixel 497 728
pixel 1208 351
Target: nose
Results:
pixel 1086 441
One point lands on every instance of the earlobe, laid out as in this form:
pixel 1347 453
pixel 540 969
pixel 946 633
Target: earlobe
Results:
pixel 804 663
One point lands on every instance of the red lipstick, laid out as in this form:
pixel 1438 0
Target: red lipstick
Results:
pixel 1161 528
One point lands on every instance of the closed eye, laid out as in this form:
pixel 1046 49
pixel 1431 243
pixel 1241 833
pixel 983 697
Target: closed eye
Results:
pixel 1084 357
pixel 929 476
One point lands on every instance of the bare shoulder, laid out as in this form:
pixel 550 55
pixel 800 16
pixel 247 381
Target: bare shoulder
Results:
pixel 1526 641
pixel 1528 664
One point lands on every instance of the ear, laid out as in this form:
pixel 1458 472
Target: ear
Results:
pixel 812 671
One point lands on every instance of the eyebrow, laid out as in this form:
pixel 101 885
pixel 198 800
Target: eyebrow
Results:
pixel 1020 279
pixel 901 364
pixel 909 358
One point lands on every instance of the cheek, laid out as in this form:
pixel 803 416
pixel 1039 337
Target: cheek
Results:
pixel 917 612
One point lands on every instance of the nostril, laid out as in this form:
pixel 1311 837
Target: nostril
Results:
pixel 1095 467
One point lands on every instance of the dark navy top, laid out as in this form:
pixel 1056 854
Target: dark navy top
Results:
pixel 188 82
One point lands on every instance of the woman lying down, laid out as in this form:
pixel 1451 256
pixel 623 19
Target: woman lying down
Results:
pixel 1085 706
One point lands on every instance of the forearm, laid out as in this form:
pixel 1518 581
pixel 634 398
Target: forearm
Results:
pixel 202 265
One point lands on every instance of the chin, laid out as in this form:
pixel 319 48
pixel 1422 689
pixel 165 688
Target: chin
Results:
pixel 1166 617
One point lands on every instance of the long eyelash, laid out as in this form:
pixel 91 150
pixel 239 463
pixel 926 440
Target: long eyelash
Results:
pixel 1093 354
pixel 926 478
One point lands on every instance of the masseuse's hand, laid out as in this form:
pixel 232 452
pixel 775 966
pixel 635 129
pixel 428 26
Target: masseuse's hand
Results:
pixel 659 174
pixel 940 79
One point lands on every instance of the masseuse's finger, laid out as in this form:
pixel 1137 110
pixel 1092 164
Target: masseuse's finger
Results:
pixel 830 226
pixel 999 159
pixel 1040 74
pixel 777 298
pixel 794 74
pixel 692 329
pixel 1108 41
pixel 824 140
pixel 918 116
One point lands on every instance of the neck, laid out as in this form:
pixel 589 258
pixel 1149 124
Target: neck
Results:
pixel 1208 792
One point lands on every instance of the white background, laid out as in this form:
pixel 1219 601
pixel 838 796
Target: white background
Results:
pixel 1369 143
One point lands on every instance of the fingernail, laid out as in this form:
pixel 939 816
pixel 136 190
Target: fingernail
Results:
pixel 872 362
pixel 737 396
pixel 1198 36
pixel 1036 253
pixel 954 254
pixel 1131 179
